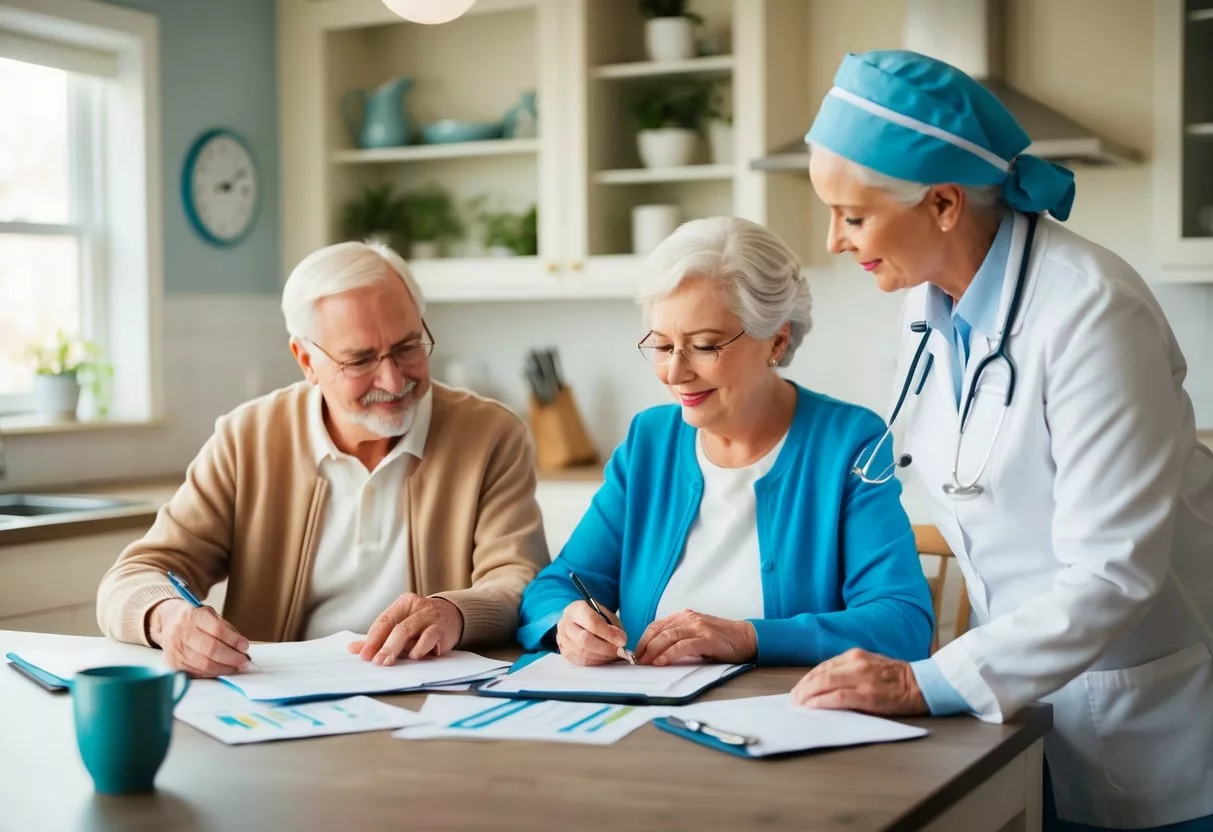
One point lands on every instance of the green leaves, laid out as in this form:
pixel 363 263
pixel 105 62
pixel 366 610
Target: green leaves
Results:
pixel 684 103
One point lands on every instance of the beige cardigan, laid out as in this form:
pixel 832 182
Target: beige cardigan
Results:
pixel 252 498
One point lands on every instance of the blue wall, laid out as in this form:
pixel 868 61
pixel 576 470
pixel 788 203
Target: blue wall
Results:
pixel 218 68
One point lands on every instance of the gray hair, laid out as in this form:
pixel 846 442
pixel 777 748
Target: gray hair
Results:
pixel 756 267
pixel 341 268
pixel 986 200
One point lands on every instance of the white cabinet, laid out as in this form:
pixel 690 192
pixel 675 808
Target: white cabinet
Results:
pixel 1183 154
pixel 585 60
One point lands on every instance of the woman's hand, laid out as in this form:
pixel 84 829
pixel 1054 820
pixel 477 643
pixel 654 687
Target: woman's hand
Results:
pixel 692 634
pixel 585 639
pixel 862 681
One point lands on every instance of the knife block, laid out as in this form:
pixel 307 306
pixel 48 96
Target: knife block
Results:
pixel 561 440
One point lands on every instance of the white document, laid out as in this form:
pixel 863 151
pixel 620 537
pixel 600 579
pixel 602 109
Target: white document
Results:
pixel 324 667
pixel 475 717
pixel 780 725
pixel 554 674
pixel 250 722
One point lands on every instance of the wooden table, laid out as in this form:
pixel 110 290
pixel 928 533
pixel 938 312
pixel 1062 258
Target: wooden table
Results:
pixel 965 776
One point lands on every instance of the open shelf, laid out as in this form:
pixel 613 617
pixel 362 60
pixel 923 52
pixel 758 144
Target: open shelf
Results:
pixel 714 65
pixel 645 176
pixel 430 152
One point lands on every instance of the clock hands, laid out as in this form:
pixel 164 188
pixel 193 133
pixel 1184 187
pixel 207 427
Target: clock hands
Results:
pixel 224 187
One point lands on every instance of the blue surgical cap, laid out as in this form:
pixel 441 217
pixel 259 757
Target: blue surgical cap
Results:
pixel 916 118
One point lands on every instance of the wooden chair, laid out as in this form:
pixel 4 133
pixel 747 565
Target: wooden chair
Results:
pixel 929 541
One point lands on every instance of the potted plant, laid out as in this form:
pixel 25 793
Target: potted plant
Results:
pixel 509 234
pixel 432 221
pixel 668 117
pixel 669 33
pixel 376 214
pixel 61 369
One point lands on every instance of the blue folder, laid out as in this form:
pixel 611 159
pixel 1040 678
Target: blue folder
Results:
pixel 47 680
pixel 609 697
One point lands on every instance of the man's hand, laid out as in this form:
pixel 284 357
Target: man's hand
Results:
pixel 585 639
pixel 412 626
pixel 690 634
pixel 862 681
pixel 197 640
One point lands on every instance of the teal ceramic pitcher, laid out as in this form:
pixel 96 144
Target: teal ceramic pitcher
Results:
pixel 385 120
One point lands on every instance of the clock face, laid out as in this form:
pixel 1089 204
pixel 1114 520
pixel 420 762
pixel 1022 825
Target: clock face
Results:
pixel 221 188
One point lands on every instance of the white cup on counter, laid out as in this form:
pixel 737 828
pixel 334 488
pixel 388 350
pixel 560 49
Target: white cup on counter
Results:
pixel 651 224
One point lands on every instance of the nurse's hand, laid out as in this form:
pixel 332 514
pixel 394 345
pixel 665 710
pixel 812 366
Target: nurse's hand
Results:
pixel 862 681
pixel 690 634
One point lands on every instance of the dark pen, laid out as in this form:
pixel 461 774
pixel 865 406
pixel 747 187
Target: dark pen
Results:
pixel 589 599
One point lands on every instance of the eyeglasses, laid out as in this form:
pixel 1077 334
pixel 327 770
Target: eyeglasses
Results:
pixel 404 356
pixel 701 355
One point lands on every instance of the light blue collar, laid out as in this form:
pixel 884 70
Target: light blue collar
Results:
pixel 978 306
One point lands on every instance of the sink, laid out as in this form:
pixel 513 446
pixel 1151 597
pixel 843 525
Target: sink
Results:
pixel 15 506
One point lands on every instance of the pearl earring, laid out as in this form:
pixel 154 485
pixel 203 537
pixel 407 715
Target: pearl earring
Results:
pixel 773 361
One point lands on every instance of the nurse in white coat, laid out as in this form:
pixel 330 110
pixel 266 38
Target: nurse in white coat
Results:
pixel 1046 420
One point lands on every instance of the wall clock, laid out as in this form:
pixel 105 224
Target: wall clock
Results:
pixel 220 190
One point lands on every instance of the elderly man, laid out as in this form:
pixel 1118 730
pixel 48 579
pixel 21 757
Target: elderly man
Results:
pixel 366 498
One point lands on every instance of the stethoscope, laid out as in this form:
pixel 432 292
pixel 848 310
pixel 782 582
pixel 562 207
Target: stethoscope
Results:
pixel 956 489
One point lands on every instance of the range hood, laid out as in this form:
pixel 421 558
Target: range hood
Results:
pixel 969 35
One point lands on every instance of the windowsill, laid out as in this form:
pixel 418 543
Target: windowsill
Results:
pixel 36 425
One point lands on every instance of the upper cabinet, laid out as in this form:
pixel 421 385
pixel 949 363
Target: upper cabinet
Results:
pixel 1184 137
pixel 536 104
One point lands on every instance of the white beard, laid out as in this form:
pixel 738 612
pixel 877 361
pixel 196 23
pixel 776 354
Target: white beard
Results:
pixel 388 427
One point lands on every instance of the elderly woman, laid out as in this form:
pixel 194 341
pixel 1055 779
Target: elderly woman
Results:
pixel 728 527
pixel 1042 402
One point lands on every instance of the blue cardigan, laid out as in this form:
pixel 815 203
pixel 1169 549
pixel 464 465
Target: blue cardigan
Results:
pixel 839 565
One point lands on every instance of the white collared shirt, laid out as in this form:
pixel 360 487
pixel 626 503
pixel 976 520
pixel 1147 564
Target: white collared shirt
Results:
pixel 361 564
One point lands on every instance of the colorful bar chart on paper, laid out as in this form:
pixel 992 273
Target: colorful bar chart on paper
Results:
pixel 468 717
pixel 259 724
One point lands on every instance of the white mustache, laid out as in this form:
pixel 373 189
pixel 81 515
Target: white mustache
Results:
pixel 377 396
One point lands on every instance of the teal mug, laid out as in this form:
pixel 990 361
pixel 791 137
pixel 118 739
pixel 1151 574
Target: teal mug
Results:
pixel 124 721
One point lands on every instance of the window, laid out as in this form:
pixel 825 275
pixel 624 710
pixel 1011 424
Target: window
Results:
pixel 80 194
pixel 51 227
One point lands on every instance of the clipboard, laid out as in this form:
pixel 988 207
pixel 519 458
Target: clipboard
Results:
pixel 37 675
pixel 602 697
pixel 709 741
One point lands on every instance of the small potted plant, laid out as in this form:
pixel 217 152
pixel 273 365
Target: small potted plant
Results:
pixel 669 33
pixel 61 369
pixel 669 117
pixel 509 234
pixel 377 214
pixel 432 221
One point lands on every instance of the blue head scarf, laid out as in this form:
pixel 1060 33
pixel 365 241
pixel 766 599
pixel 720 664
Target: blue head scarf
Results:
pixel 916 118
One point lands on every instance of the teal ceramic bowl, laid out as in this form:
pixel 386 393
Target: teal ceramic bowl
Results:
pixel 448 131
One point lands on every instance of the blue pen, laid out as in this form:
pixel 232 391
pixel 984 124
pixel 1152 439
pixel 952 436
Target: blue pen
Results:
pixel 184 591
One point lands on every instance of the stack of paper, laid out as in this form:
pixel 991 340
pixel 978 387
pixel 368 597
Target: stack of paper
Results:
pixel 554 677
pixel 301 671
pixel 472 717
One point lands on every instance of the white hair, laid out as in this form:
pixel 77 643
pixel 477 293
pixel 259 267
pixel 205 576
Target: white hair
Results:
pixel 986 200
pixel 758 270
pixel 341 268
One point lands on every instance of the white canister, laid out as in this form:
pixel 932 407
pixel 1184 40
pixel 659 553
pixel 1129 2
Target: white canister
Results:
pixel 720 142
pixel 669 38
pixel 651 224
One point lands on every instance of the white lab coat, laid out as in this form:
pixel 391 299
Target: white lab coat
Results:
pixel 1089 557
